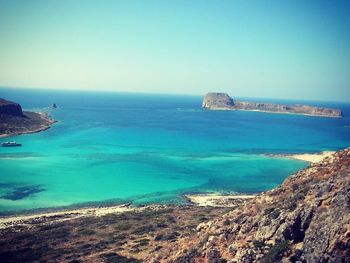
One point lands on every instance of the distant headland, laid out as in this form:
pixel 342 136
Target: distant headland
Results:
pixel 14 121
pixel 222 101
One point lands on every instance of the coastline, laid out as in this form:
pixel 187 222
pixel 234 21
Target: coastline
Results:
pixel 43 117
pixel 264 111
pixel 312 158
pixel 293 113
pixel 164 233
pixel 51 215
pixel 211 199
pixel 63 215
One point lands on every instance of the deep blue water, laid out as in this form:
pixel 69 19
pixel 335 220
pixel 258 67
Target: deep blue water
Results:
pixel 151 148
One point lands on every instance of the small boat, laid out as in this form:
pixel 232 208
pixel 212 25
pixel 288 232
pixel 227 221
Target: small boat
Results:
pixel 10 144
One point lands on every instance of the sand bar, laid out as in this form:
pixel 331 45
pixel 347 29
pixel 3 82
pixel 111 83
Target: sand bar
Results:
pixel 307 157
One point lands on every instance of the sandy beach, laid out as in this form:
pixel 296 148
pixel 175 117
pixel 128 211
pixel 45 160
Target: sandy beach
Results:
pixel 59 216
pixel 307 157
pixel 203 199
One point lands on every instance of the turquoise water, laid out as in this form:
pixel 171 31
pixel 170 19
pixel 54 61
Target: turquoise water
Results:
pixel 151 148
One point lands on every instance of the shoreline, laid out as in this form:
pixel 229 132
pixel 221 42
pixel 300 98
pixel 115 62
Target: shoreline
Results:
pixel 265 111
pixel 19 219
pixel 59 214
pixel 204 199
pixel 186 233
pixel 312 158
pixel 293 113
pixel 43 116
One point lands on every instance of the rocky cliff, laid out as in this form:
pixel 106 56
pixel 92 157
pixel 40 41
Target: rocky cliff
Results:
pixel 14 121
pixel 222 101
pixel 11 108
pixel 306 219
pixel 217 101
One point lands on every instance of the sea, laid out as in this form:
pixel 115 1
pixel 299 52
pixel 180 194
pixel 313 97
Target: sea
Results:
pixel 109 148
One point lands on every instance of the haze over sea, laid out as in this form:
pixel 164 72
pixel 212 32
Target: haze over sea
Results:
pixel 149 148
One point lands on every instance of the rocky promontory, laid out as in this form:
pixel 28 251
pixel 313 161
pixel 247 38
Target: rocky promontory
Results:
pixel 306 219
pixel 14 121
pixel 222 101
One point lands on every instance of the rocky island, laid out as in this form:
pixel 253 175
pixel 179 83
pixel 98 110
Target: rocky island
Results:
pixel 14 121
pixel 222 101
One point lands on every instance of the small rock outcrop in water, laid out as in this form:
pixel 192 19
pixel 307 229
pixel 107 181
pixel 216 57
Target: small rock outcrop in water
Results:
pixel 10 108
pixel 306 219
pixel 14 121
pixel 222 101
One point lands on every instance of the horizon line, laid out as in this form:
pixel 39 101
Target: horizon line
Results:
pixel 164 93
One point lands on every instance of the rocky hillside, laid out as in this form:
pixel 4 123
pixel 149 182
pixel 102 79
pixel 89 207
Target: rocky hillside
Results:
pixel 306 219
pixel 222 101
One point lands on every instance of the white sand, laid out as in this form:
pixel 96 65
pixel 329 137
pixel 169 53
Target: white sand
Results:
pixel 309 157
pixel 6 222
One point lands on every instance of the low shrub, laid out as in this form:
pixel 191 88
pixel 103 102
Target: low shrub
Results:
pixel 276 252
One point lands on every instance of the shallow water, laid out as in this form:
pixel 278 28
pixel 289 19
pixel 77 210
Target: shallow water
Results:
pixel 151 148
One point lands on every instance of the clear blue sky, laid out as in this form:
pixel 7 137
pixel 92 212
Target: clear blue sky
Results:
pixel 276 49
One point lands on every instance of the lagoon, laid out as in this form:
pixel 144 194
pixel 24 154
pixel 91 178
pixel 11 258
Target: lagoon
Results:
pixel 151 148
